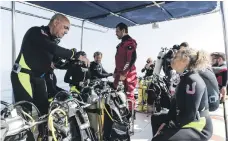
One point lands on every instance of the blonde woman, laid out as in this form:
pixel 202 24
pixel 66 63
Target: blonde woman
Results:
pixel 188 118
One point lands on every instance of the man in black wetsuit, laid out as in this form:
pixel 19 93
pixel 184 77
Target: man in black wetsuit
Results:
pixel 220 70
pixel 76 73
pixel 96 68
pixel 34 61
pixel 50 77
pixel 149 67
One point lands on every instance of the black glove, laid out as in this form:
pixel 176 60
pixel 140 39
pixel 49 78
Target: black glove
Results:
pixel 110 74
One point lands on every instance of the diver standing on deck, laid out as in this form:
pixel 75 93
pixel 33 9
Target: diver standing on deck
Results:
pixel 34 61
pixel 125 70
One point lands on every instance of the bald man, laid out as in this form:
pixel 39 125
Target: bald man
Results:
pixel 149 67
pixel 33 62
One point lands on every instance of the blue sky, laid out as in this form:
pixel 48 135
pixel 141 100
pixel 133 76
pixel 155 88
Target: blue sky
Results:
pixel 202 32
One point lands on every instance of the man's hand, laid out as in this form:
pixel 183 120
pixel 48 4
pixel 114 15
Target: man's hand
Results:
pixel 147 66
pixel 223 94
pixel 122 77
pixel 85 60
pixel 159 129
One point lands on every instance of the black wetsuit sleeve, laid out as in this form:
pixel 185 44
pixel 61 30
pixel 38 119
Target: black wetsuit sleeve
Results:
pixel 59 64
pixel 88 74
pixel 42 39
pixel 50 83
pixel 67 76
pixel 96 73
pixel 224 78
pixel 63 65
pixel 172 112
pixel 104 71
pixel 193 93
pixel 103 74
pixel 143 69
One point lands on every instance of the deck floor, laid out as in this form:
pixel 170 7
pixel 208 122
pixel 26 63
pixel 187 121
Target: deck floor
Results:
pixel 143 131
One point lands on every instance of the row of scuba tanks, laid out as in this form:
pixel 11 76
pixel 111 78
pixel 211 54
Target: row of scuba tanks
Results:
pixel 72 116
pixel 155 92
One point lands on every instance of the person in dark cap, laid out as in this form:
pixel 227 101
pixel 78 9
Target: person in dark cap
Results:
pixel 184 44
pixel 220 69
pixel 218 58
pixel 168 57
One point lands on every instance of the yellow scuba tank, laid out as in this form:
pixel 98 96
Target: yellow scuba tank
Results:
pixel 142 96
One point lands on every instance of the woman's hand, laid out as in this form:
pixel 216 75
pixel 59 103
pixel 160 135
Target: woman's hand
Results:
pixel 159 129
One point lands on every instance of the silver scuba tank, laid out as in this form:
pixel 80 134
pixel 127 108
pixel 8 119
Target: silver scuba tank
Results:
pixel 93 117
pixel 159 61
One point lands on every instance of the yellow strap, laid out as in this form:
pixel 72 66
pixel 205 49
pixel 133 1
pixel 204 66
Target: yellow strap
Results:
pixel 51 122
pixel 108 113
pixel 198 125
pixel 50 99
pixel 74 89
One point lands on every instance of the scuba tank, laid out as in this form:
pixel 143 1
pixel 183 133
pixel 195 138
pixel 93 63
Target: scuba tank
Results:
pixel 12 126
pixel 69 119
pixel 94 112
pixel 16 122
pixel 159 61
pixel 119 114
pixel 174 82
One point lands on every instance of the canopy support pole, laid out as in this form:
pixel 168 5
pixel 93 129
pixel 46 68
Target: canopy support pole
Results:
pixel 13 39
pixel 82 33
pixel 224 25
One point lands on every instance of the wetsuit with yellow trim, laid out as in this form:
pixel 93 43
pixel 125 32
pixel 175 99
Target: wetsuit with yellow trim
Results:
pixel 188 118
pixel 33 62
